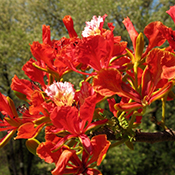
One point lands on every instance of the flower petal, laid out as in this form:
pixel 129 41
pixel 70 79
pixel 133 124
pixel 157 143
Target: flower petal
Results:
pixel 171 12
pixel 86 143
pixel 46 35
pixel 33 73
pixel 44 152
pixel 28 130
pixel 154 35
pixel 68 22
pixel 100 146
pixel 131 30
pixel 62 162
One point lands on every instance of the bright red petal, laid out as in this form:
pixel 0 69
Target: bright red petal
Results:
pixel 66 118
pixel 62 162
pixel 99 51
pixel 50 136
pixel 100 146
pixel 33 73
pixel 46 35
pixel 168 65
pixel 23 86
pixel 68 22
pixel 168 34
pixel 108 82
pixel 154 36
pixel 87 111
pixel 36 101
pixel 85 91
pixel 43 52
pixel 131 30
pixel 28 130
pixel 171 12
pixel 44 152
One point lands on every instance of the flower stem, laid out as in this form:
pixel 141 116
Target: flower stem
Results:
pixel 163 112
pixel 118 143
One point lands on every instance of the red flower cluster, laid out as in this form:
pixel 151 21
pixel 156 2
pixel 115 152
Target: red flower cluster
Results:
pixel 72 123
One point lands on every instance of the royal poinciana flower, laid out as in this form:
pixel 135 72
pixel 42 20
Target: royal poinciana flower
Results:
pixel 36 116
pixel 99 52
pixel 63 156
pixel 62 94
pixel 151 31
pixel 11 121
pixel 97 47
pixel 156 82
pixel 23 88
pixel 52 52
pixel 76 122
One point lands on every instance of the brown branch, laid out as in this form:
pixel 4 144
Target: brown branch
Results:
pixel 154 137
pixel 167 135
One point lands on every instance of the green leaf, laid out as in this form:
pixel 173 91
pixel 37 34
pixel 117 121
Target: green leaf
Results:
pixel 129 144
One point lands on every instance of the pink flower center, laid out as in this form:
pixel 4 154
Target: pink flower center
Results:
pixel 61 93
pixel 94 27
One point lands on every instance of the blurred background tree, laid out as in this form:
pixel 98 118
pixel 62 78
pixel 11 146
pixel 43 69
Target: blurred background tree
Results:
pixel 21 23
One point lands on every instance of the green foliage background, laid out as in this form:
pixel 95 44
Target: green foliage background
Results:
pixel 21 23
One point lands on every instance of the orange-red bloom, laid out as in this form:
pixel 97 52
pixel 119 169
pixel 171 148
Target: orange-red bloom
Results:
pixel 63 156
pixel 76 122
pixel 155 82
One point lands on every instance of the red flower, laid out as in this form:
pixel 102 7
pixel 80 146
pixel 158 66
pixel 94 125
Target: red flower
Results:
pixel 43 52
pixel 76 122
pixel 96 51
pixel 154 35
pixel 109 82
pixel 154 83
pixel 62 157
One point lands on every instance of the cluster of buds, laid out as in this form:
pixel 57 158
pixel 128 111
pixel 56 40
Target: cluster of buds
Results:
pixel 74 127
